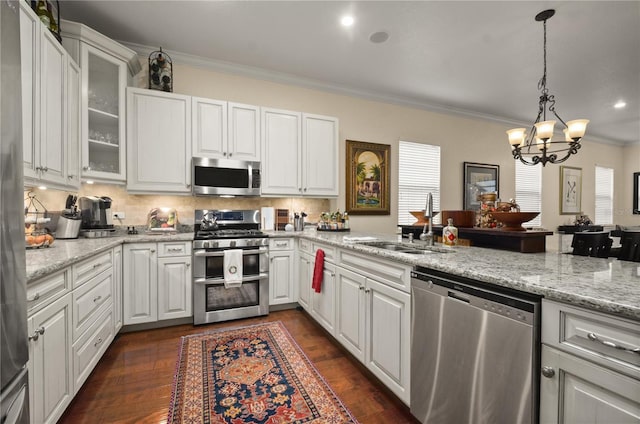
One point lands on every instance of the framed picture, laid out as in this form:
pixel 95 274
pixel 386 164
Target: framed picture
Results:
pixel 479 178
pixel 367 178
pixel 636 193
pixel 570 190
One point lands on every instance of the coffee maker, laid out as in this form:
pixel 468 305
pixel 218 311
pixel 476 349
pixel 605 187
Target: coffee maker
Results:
pixel 96 213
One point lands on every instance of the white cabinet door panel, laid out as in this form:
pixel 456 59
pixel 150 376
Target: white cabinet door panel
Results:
pixel 350 319
pixel 209 127
pixel 174 287
pixel 324 303
pixel 304 280
pixel 281 169
pixel 320 155
pixel 244 132
pixel 140 283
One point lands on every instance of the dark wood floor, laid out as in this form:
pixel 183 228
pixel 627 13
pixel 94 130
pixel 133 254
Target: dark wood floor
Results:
pixel 132 382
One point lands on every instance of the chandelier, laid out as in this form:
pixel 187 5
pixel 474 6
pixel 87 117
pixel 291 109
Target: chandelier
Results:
pixel 538 146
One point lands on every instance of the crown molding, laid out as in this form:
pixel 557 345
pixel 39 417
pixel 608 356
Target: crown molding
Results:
pixel 289 79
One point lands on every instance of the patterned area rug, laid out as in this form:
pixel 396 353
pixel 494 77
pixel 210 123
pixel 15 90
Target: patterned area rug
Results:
pixel 254 374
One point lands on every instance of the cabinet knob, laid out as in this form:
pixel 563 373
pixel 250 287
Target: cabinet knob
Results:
pixel 224 153
pixel 305 189
pixel 71 177
pixel 360 287
pixel 367 290
pixel 153 250
pixel 187 265
pixel 37 334
pixel 86 168
pixel 230 154
pixel 548 372
pixel 45 169
pixel 97 342
pixel 34 298
pixel 97 299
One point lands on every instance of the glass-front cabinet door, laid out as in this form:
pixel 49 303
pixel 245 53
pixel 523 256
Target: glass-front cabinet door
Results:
pixel 104 79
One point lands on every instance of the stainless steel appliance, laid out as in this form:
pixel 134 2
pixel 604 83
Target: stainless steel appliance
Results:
pixel 475 351
pixel 96 212
pixel 225 177
pixel 215 232
pixel 14 348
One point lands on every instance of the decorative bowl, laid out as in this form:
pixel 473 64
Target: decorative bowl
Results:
pixel 419 215
pixel 513 221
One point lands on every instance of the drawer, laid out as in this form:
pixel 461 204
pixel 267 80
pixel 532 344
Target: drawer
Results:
pixel 177 248
pixel 305 245
pixel 393 274
pixel 87 269
pixel 88 299
pixel 601 338
pixel 280 244
pixel 90 347
pixel 44 291
pixel 329 251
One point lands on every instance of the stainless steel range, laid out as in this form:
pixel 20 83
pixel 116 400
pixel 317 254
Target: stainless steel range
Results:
pixel 217 231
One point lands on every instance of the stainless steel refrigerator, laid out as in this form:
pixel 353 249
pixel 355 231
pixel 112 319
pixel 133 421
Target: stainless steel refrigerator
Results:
pixel 14 349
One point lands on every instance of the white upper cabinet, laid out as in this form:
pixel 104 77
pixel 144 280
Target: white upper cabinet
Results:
pixel 106 70
pixel 225 130
pixel 48 100
pixel 73 124
pixel 299 154
pixel 159 151
pixel 319 155
pixel 281 144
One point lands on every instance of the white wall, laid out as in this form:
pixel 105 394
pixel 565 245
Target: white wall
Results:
pixel 461 139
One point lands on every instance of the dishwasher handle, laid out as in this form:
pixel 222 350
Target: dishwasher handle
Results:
pixel 459 297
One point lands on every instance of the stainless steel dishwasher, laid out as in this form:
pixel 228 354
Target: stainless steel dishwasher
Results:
pixel 475 351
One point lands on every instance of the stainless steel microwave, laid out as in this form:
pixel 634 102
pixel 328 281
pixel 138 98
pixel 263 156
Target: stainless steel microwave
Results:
pixel 225 177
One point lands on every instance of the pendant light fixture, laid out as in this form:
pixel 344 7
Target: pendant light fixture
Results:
pixel 538 146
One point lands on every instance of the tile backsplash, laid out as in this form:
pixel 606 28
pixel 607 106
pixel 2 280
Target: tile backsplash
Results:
pixel 137 206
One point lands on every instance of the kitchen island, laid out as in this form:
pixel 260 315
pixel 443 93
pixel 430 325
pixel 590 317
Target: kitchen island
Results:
pixel 605 285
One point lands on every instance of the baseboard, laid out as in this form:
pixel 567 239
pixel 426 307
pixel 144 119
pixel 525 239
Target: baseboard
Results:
pixel 158 324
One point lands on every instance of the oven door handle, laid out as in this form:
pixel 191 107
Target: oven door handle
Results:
pixel 204 253
pixel 260 276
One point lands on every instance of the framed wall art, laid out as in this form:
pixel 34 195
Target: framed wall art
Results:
pixel 636 193
pixel 367 178
pixel 479 178
pixel 570 190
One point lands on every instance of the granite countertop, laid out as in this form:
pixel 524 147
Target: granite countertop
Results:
pixel 62 253
pixel 606 285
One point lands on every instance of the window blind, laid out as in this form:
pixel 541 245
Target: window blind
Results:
pixel 529 191
pixel 604 196
pixel 418 175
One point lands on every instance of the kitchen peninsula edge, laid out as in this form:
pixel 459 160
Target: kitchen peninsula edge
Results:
pixel 605 285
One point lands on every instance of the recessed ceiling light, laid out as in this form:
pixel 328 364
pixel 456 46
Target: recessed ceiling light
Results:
pixel 379 37
pixel 620 104
pixel 347 21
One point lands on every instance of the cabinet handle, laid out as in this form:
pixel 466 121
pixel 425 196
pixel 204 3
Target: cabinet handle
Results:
pixel 96 299
pixel 34 298
pixel 367 290
pixel 305 189
pixel 175 249
pixel 45 169
pixel 97 342
pixel 230 154
pixel 548 372
pixel 594 338
pixel 153 250
pixel 71 177
pixel 97 265
pixel 333 274
pixel 360 287
pixel 37 334
pixel 282 244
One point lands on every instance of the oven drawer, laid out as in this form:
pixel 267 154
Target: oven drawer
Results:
pixel 178 248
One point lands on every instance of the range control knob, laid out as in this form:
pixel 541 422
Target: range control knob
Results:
pixel 232 243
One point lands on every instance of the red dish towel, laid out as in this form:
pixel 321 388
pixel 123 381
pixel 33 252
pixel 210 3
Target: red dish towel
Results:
pixel 316 284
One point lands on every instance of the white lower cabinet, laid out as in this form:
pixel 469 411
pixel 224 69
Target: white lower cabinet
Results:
pixel 304 271
pixel 365 303
pixel 282 287
pixel 323 304
pixel 590 373
pixel 50 361
pixel 117 289
pixel 373 323
pixel 582 392
pixel 156 286
pixel 90 346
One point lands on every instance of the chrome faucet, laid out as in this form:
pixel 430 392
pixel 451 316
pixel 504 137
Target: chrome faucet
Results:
pixel 428 213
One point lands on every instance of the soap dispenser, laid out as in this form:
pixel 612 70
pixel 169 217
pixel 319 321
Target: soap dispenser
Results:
pixel 450 234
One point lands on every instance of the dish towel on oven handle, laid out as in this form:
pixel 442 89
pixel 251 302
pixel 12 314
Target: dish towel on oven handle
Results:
pixel 318 269
pixel 232 268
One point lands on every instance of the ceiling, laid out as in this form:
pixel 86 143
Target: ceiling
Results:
pixel 476 58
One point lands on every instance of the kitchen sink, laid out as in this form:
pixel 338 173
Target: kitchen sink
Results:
pixel 417 249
